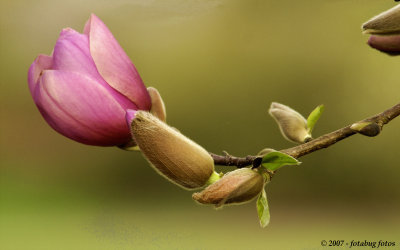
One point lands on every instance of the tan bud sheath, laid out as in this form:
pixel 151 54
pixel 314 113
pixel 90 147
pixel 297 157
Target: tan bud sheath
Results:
pixel 172 154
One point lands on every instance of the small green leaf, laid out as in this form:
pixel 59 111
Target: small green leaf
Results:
pixel 275 160
pixel 314 116
pixel 213 178
pixel 263 209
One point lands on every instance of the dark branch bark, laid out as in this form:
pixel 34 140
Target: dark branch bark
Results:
pixel 229 160
pixel 314 145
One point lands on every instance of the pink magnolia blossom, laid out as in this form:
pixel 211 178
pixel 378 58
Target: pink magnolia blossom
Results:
pixel 85 87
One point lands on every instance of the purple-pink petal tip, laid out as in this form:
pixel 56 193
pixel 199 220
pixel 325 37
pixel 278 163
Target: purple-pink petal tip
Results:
pixel 130 115
pixel 386 44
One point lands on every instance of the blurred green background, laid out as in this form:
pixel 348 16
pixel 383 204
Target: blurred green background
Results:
pixel 218 65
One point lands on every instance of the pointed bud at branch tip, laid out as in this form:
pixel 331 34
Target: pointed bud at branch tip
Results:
pixel 292 125
pixel 369 129
pixel 385 30
pixel 172 154
pixel 388 22
pixel 238 186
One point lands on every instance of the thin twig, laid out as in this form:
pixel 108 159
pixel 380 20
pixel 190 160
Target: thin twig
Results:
pixel 309 147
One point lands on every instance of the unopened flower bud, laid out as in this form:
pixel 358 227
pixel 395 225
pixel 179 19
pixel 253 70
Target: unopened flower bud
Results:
pixel 172 154
pixel 387 22
pixel 238 186
pixel 370 129
pixel 293 125
pixel 385 30
pixel 85 86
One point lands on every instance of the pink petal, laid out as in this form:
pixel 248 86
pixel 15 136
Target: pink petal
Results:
pixel 78 107
pixel 130 115
pixel 42 62
pixel 72 53
pixel 387 44
pixel 114 65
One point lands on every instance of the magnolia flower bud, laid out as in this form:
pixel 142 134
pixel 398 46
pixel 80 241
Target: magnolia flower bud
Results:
pixel 387 22
pixel 385 30
pixel 238 186
pixel 370 129
pixel 85 86
pixel 173 155
pixel 293 125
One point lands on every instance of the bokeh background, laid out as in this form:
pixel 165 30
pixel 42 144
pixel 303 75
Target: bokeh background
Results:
pixel 218 65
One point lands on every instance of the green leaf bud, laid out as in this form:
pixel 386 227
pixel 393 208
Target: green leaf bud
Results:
pixel 275 160
pixel 314 117
pixel 263 209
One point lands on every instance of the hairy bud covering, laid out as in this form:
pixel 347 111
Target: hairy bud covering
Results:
pixel 157 109
pixel 238 186
pixel 85 86
pixel 293 125
pixel 175 156
pixel 387 22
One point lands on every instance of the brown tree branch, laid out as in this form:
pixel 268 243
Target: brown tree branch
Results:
pixel 321 142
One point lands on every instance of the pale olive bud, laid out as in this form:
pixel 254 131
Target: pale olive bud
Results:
pixel 387 22
pixel 157 104
pixel 172 154
pixel 293 125
pixel 238 186
pixel 370 129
